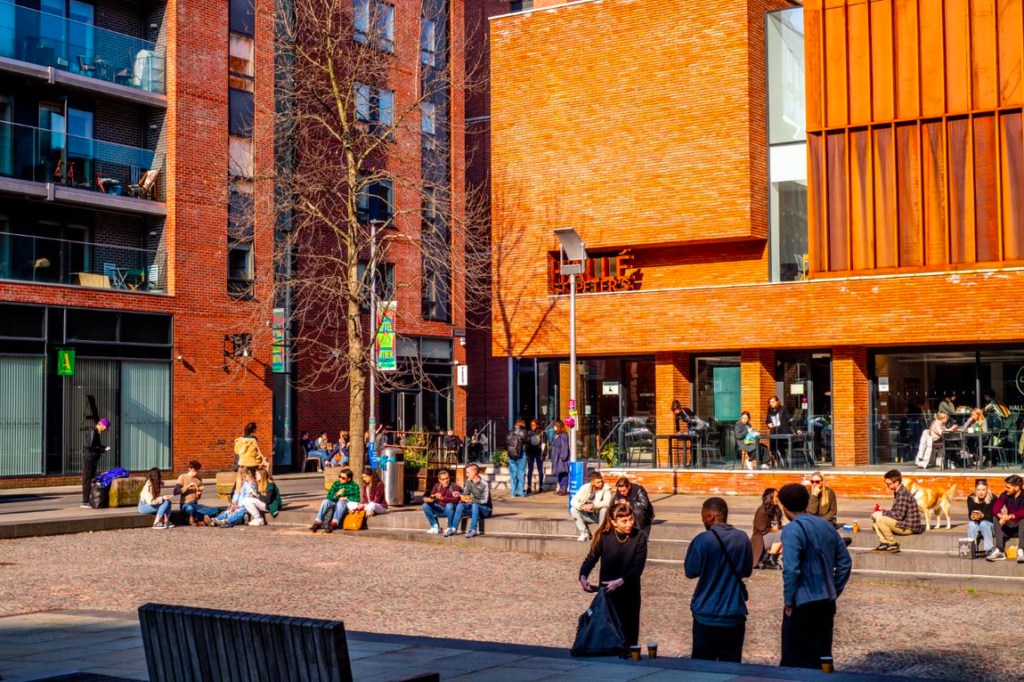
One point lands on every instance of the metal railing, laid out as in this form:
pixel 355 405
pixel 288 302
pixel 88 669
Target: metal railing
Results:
pixel 40 155
pixel 31 258
pixel 48 39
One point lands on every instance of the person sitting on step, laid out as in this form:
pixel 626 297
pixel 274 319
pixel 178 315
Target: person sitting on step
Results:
pixel 590 505
pixel 245 488
pixel 766 539
pixel 342 491
pixel 442 500
pixel 372 499
pixel 639 502
pixel 476 499
pixel 903 519
pixel 152 502
pixel 189 487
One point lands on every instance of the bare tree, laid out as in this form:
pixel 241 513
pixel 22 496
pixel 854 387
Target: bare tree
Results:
pixel 362 186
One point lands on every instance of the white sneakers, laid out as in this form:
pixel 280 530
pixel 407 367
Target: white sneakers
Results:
pixel 256 522
pixel 434 530
pixel 584 536
pixel 750 465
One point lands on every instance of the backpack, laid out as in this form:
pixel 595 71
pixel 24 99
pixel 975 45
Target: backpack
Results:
pixel 514 444
pixel 107 477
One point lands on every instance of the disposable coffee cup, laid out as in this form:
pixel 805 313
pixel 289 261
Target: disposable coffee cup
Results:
pixel 652 649
pixel 635 652
pixel 826 664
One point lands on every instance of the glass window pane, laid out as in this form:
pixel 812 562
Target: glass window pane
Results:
pixel 386 108
pixel 242 18
pixel 361 19
pixel 788 212
pixel 145 415
pixel 138 328
pixel 91 325
pixel 427 124
pixel 363 93
pixel 240 156
pixel 1002 382
pixel 786 119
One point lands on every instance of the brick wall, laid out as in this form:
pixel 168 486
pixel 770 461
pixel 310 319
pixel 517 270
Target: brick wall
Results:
pixel 128 18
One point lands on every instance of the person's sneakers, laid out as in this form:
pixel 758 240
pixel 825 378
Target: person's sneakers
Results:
pixel 331 527
pixel 315 526
pixel 158 526
pixel 472 534
pixel 208 521
pixel 527 492
pixel 764 466
pixel 1020 557
pixel 85 505
pixel 450 532
pixel 995 555
pixel 256 522
pixel 887 548
pixel 191 521
pixel 585 536
pixel 168 524
pixel 434 530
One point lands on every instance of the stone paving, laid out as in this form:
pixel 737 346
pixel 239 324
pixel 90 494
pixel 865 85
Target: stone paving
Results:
pixel 462 592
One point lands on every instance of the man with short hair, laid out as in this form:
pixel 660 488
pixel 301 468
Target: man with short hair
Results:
pixel 92 453
pixel 590 505
pixel 815 569
pixel 1008 511
pixel 643 510
pixel 441 501
pixel 476 497
pixel 189 487
pixel 903 519
pixel 720 558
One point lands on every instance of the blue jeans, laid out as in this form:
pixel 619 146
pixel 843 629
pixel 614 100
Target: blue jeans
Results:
pixel 340 509
pixel 433 510
pixel 517 475
pixel 234 518
pixel 987 532
pixel 198 511
pixel 538 461
pixel 321 455
pixel 477 512
pixel 163 510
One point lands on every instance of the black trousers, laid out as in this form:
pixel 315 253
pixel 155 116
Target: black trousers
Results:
pixel 1004 532
pixel 88 473
pixel 807 634
pixel 714 643
pixel 626 602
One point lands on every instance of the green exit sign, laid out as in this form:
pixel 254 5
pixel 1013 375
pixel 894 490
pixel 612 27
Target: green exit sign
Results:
pixel 65 363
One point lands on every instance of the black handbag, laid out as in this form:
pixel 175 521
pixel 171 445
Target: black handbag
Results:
pixel 599 632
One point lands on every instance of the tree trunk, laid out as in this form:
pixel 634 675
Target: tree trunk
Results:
pixel 357 420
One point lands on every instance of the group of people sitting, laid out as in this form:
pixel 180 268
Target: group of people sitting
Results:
pixel 590 505
pixel 345 497
pixel 988 419
pixel 254 497
pixel 997 518
pixel 329 454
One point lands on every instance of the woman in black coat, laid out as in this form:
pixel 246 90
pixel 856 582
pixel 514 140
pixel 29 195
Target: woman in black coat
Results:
pixel 779 422
pixel 622 550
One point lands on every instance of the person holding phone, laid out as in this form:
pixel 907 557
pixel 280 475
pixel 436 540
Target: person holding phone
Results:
pixel 476 499
pixel 621 548
pixel 189 488
pixel 152 502
pixel 981 520
pixel 441 501
pixel 92 452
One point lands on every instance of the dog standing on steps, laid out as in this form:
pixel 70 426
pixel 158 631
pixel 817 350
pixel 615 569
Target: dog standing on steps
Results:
pixel 932 500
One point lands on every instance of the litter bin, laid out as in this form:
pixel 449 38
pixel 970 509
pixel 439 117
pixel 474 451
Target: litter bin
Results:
pixel 393 461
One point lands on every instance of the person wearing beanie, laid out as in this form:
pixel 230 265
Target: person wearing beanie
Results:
pixel 91 454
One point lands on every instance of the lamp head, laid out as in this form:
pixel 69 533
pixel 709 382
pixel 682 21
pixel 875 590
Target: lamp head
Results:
pixel 571 244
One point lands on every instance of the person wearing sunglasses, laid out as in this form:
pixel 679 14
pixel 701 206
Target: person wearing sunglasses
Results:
pixel 823 500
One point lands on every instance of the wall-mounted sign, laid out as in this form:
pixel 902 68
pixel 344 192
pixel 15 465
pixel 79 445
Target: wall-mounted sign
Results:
pixel 883 384
pixel 609 388
pixel 386 359
pixel 796 389
pixel 65 363
pixel 277 347
pixel 462 375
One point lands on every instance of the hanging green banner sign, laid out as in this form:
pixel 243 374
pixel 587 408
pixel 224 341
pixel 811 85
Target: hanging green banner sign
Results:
pixel 65 363
pixel 277 348
pixel 386 360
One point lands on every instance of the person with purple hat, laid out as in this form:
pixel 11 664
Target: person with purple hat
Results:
pixel 91 454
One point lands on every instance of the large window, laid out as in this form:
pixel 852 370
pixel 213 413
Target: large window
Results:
pixel 21 415
pixel 428 41
pixel 376 202
pixel 804 385
pixel 374 22
pixel 788 149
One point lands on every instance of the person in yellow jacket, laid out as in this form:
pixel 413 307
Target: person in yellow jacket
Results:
pixel 247 450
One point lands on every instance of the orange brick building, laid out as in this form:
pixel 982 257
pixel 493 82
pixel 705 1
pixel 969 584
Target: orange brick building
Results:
pixel 802 202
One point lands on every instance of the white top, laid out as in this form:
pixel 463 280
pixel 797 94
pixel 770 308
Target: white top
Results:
pixel 601 499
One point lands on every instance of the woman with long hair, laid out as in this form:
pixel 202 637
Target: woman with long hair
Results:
pixel 245 488
pixel 560 457
pixel 766 540
pixel 622 550
pixel 372 497
pixel 779 422
pixel 746 441
pixel 267 499
pixel 152 502
pixel 981 520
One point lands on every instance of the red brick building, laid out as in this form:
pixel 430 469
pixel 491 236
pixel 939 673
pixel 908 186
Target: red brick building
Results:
pixel 126 142
pixel 759 227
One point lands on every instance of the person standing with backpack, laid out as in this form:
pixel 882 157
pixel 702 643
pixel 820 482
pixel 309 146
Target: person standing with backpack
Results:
pixel 720 558
pixel 536 444
pixel 816 568
pixel 516 446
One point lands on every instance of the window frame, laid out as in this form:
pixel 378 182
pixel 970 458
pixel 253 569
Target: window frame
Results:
pixel 428 41
pixel 372 206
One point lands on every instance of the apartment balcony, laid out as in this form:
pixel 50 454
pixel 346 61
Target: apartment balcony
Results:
pixel 54 166
pixel 80 56
pixel 49 261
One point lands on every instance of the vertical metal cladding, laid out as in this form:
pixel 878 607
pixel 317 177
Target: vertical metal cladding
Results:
pixel 21 415
pixel 145 415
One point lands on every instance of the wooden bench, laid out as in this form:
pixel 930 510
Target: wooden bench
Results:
pixel 184 644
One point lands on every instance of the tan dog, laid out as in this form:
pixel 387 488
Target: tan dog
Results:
pixel 932 500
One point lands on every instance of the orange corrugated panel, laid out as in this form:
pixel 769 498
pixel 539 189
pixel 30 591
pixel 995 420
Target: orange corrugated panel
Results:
pixel 881 61
pixel 986 209
pixel 906 40
pixel 835 67
pixel 958 59
pixel 812 66
pixel 860 63
pixel 885 198
pixel 862 235
pixel 1012 161
pixel 838 240
pixel 961 191
pixel 983 54
pixel 908 201
pixel 817 223
pixel 1011 26
pixel 933 165
pixel 933 86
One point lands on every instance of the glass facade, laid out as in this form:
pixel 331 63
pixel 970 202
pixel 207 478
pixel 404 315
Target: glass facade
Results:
pixel 718 399
pixel 787 155
pixel 907 387
pixel 804 385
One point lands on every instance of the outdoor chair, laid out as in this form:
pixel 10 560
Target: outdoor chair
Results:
pixel 84 66
pixel 709 448
pixel 135 279
pixel 802 450
pixel 995 450
pixel 144 190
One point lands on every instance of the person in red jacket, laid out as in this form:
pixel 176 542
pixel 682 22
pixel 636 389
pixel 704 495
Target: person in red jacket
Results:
pixel 1009 517
pixel 372 499
pixel 442 500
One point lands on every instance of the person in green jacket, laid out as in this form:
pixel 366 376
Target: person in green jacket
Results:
pixel 267 499
pixel 343 491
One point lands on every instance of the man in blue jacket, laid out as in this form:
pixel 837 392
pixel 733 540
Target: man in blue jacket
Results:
pixel 720 557
pixel 815 569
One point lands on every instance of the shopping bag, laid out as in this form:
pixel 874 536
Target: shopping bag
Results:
pixel 599 632
pixel 353 520
pixel 99 496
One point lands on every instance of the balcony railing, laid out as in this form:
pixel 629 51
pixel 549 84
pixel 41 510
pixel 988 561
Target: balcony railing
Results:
pixel 31 258
pixel 51 40
pixel 40 155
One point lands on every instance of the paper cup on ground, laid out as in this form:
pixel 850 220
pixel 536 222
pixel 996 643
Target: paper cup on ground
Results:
pixel 652 649
pixel 826 664
pixel 635 652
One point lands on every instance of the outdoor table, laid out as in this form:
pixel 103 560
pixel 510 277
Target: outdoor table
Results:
pixel 980 436
pixel 788 437
pixel 111 185
pixel 686 443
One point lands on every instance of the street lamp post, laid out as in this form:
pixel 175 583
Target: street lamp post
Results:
pixel 371 447
pixel 572 261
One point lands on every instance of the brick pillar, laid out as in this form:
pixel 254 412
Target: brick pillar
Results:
pixel 671 382
pixel 757 376
pixel 850 427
